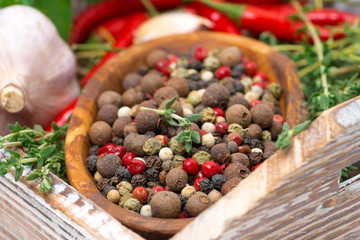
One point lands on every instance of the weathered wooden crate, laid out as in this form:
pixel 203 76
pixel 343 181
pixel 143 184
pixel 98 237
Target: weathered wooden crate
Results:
pixel 295 194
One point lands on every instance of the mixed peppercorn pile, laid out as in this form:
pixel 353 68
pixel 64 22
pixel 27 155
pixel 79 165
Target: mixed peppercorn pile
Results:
pixel 186 130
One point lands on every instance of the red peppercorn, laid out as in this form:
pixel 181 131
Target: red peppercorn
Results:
pixel 127 157
pixel 222 72
pixel 236 138
pixel 161 64
pixel 166 188
pixel 172 58
pixel 223 166
pixel 255 102
pixel 250 68
pixel 157 189
pixel 260 84
pixel 219 112
pixel 262 76
pixel 221 128
pixel 119 151
pixel 183 215
pixel 244 59
pixel 141 194
pixel 136 166
pixel 200 53
pixel 191 166
pixel 210 168
pixel 106 149
pixel 196 183
pixel 257 166
pixel 162 139
pixel 199 175
pixel 279 118
pixel 203 132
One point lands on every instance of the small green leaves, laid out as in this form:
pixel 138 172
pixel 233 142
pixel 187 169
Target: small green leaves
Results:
pixel 285 137
pixel 170 103
pixel 194 117
pixel 195 136
pixel 45 151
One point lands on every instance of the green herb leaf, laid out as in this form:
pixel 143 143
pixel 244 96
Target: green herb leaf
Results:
pixel 301 127
pixel 47 151
pixel 195 136
pixel 324 102
pixel 188 146
pixel 5 3
pixel 18 173
pixel 170 103
pixel 13 153
pixel 34 175
pixel 194 117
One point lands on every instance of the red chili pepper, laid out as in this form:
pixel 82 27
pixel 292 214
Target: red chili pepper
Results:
pixel 259 20
pixel 86 21
pixel 221 22
pixel 63 116
pixel 262 2
pixel 125 39
pixel 113 26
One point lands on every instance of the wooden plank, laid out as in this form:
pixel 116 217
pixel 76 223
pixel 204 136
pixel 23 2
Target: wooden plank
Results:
pixel 62 214
pixel 296 193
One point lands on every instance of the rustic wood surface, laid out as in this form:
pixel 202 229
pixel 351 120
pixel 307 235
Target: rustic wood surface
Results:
pixel 25 213
pixel 296 193
pixel 278 67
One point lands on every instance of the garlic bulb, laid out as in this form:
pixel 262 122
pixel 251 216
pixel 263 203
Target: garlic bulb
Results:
pixel 37 69
pixel 169 24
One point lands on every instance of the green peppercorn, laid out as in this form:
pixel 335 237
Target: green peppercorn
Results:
pixel 124 198
pixel 182 62
pixel 236 128
pixel 268 97
pixel 132 204
pixel 180 72
pixel 208 115
pixel 201 157
pixel 152 146
pixel 178 161
pixel 266 136
pixel 124 187
pixel 176 147
pixel 193 98
pixel 275 89
pixel 211 63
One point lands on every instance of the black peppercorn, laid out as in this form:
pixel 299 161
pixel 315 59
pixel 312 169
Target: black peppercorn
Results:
pixel 232 146
pixel 117 141
pixel 107 190
pixel 239 87
pixel 153 162
pixel 150 134
pixel 183 201
pixel 91 162
pixel 93 150
pixel 194 85
pixel 254 143
pixel 246 140
pixel 218 180
pixel 197 65
pixel 102 184
pixel 123 174
pixel 152 175
pixel 237 70
pixel 142 70
pixel 206 186
pixel 138 180
pixel 256 158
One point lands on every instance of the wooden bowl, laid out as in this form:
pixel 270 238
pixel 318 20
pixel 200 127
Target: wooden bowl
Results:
pixel 278 67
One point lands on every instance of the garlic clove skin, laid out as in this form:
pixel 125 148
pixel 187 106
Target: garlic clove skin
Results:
pixel 36 62
pixel 169 24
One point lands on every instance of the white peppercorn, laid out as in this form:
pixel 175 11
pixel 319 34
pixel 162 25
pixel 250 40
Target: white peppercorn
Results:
pixel 166 154
pixel 124 112
pixel 208 127
pixel 208 140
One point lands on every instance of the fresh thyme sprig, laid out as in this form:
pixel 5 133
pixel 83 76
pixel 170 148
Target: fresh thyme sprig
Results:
pixel 187 135
pixel 285 137
pixel 43 153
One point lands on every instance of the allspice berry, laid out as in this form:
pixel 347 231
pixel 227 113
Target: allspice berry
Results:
pixel 147 120
pixel 131 80
pixel 165 93
pixel 197 203
pixel 230 56
pixel 129 140
pixel 109 97
pixel 240 158
pixel 236 99
pixel 154 56
pixel 262 114
pixel 119 125
pixel 236 170
pixel 220 153
pixel 216 95
pixel 275 129
pixel 176 179
pixel 230 184
pixel 254 131
pixel 176 106
pixel 130 128
pixel 151 82
pixel 107 164
pixel 165 204
pixel 214 195
pixel 132 97
pixel 137 145
pixel 238 114
pixel 100 133
pixel 107 113
pixel 181 85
